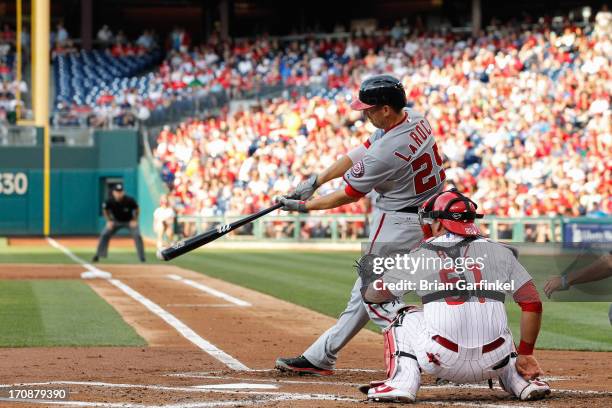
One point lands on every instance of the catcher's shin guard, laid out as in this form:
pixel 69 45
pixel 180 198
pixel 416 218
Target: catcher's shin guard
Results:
pixel 393 348
pixel 393 351
pixel 403 374
pixel 391 356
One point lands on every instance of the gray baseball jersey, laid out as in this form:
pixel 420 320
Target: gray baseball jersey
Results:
pixel 468 322
pixel 402 164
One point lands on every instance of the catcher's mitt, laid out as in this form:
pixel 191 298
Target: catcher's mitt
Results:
pixel 365 270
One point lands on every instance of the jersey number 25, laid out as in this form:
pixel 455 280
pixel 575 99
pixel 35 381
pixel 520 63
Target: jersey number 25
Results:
pixel 424 179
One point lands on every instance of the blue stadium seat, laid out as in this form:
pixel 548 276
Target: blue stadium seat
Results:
pixel 82 77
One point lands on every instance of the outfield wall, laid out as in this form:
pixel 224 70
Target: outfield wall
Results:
pixel 81 174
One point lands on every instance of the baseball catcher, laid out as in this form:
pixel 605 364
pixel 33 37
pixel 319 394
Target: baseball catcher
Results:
pixel 461 334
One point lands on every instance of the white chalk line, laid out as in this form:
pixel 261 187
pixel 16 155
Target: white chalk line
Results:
pixel 471 404
pixel 199 388
pixel 143 386
pixel 72 403
pixel 237 386
pixel 212 305
pixel 267 396
pixel 71 255
pixel 318 382
pixel 274 370
pixel 339 383
pixel 210 291
pixel 201 404
pixel 169 318
pixel 486 387
pixel 182 328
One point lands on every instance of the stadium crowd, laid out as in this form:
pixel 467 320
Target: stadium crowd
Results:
pixel 523 118
pixel 12 90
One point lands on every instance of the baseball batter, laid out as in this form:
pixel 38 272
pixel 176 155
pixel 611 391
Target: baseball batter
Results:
pixel 401 163
pixel 461 334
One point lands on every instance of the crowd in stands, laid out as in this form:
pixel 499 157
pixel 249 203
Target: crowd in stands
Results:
pixel 12 90
pixel 522 116
pixel 236 163
pixel 97 89
pixel 109 86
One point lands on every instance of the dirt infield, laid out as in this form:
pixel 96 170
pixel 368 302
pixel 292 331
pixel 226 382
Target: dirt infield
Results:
pixel 247 328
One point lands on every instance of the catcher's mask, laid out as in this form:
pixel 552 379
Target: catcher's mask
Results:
pixel 455 211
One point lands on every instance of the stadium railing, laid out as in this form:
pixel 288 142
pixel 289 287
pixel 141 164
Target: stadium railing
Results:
pixel 18 136
pixel 186 106
pixel 72 136
pixel 336 227
pixel 21 136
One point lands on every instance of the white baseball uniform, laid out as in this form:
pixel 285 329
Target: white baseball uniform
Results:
pixel 403 168
pixel 458 339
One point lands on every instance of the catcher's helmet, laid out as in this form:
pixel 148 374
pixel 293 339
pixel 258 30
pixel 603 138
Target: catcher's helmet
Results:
pixel 455 211
pixel 380 90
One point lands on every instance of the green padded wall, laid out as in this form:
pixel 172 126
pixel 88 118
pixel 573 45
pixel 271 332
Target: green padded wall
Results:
pixel 77 178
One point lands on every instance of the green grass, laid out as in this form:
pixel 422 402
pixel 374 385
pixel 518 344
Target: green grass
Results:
pixel 59 313
pixel 322 281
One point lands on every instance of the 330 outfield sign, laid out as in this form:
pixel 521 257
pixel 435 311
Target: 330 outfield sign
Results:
pixel 13 183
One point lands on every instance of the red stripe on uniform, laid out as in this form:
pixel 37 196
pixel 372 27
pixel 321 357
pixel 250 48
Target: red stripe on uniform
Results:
pixel 378 314
pixel 367 144
pixel 350 191
pixel 446 343
pixel 382 220
pixel 535 307
pixel 493 345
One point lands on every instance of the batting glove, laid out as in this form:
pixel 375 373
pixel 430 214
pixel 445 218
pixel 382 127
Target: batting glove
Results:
pixel 292 205
pixel 305 189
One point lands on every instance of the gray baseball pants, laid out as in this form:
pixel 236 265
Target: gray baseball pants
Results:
pixel 389 231
pixel 107 233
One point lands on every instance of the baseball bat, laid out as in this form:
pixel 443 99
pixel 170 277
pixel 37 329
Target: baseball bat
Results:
pixel 189 244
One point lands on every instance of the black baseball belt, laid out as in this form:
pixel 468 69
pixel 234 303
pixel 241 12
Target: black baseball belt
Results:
pixel 412 209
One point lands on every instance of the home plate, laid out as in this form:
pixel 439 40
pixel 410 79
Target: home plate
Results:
pixel 236 386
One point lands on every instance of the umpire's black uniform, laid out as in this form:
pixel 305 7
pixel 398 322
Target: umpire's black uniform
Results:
pixel 120 211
